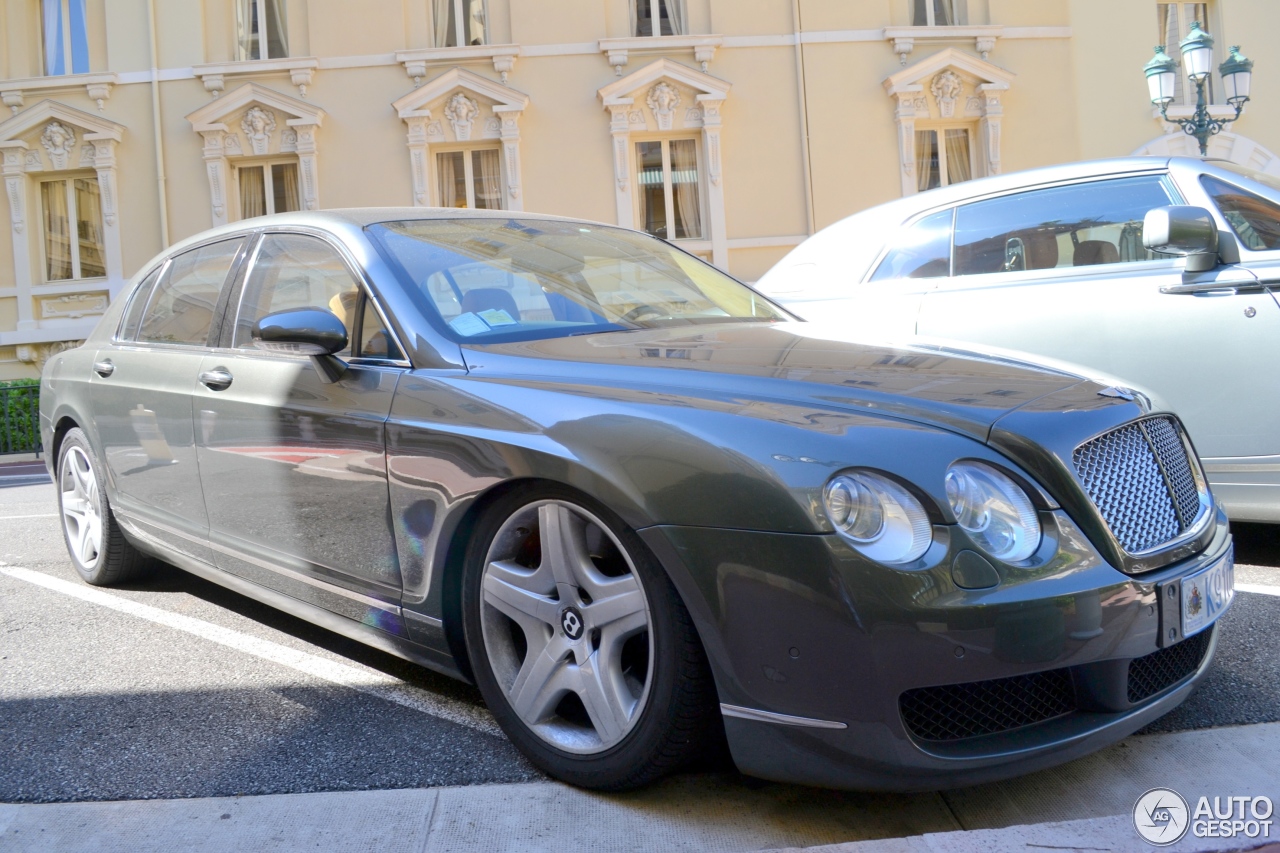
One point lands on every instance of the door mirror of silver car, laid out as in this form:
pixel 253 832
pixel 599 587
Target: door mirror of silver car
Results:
pixel 305 331
pixel 1184 231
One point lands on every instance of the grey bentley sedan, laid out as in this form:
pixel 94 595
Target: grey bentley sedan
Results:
pixel 638 504
pixel 1057 262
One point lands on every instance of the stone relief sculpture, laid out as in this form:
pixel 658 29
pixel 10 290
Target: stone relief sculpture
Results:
pixel 946 88
pixel 461 112
pixel 258 124
pixel 662 100
pixel 58 140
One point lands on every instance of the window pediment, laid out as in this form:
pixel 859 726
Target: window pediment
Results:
pixel 665 96
pixel 53 136
pixel 453 107
pixel 918 77
pixel 225 113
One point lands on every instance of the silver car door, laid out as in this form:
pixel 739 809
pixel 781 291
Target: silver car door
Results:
pixel 1079 288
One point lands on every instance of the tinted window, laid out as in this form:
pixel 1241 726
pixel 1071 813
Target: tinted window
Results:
pixel 138 304
pixel 922 251
pixel 513 279
pixel 1071 226
pixel 181 310
pixel 296 271
pixel 1254 219
pixel 375 340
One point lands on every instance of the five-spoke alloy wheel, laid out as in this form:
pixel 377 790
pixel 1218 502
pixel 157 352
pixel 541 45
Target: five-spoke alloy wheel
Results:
pixel 580 644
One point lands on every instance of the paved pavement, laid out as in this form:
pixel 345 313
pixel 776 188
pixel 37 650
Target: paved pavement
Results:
pixel 178 688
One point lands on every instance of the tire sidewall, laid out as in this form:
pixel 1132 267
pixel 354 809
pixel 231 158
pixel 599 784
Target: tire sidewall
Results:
pixel 611 767
pixel 77 439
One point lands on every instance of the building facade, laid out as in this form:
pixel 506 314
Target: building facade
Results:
pixel 734 128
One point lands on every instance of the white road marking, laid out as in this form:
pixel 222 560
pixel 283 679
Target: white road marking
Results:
pixel 1260 588
pixel 373 683
pixel 47 515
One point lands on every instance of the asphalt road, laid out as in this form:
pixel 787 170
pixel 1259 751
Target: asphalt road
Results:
pixel 180 688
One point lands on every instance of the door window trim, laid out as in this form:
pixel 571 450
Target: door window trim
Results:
pixel 166 266
pixel 226 339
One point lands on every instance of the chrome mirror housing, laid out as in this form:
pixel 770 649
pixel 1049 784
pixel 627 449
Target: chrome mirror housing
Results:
pixel 1183 231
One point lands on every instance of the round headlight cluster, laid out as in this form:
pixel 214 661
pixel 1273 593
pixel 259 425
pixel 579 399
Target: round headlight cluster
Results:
pixel 877 516
pixel 994 510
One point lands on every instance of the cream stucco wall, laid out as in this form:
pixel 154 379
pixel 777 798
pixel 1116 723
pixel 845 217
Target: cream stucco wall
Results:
pixel 806 135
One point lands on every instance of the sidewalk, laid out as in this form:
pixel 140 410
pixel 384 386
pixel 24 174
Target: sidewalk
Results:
pixel 1085 805
pixel 22 469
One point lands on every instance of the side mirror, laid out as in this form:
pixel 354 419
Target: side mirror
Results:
pixel 1184 231
pixel 305 331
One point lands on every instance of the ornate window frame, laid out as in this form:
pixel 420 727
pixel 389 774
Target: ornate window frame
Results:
pixel 460 106
pixel 634 107
pixel 963 88
pixel 253 121
pixel 84 142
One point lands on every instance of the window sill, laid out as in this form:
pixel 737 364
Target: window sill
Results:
pixel 416 62
pixel 98 87
pixel 619 50
pixel 300 69
pixel 905 38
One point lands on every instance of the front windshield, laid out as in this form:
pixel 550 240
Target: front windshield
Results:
pixel 490 280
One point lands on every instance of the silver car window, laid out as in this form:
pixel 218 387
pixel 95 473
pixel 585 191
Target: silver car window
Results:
pixel 297 271
pixel 1069 226
pixel 922 250
pixel 137 304
pixel 1254 219
pixel 181 309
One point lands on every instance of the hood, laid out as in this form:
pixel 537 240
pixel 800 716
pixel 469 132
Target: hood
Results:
pixel 799 363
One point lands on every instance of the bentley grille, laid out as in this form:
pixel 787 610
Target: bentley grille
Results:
pixel 1140 478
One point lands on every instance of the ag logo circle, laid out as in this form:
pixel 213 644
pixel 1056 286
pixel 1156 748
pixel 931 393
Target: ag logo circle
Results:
pixel 571 622
pixel 1161 816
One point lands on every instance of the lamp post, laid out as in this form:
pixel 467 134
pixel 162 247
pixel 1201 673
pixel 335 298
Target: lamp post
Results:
pixel 1197 60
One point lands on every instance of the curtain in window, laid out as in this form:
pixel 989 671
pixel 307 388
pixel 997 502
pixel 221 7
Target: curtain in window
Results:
pixel 277 30
pixel 55 61
pixel 943 13
pixel 247 29
pixel 474 21
pixel 679 16
pixel 442 17
pixel 684 182
pixel 284 187
pixel 253 192
pixel 958 163
pixel 450 168
pixel 927 176
pixel 89 228
pixel 488 190
pixel 57 231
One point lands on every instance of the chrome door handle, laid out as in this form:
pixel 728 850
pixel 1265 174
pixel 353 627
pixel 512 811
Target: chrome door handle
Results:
pixel 104 368
pixel 217 379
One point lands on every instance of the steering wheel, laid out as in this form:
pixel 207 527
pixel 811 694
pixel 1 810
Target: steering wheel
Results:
pixel 642 310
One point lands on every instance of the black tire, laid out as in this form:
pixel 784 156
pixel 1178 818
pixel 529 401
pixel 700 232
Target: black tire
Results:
pixel 678 719
pixel 114 560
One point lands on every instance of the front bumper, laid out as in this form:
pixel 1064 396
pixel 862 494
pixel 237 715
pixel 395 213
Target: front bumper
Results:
pixel 805 627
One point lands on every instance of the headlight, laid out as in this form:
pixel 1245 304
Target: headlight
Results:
pixel 994 510
pixel 879 518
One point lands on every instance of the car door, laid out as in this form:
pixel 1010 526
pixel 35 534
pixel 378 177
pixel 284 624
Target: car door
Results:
pixel 142 391
pixel 294 467
pixel 1061 272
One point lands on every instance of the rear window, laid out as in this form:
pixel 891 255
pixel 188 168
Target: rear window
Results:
pixel 513 279
pixel 1255 219
pixel 181 309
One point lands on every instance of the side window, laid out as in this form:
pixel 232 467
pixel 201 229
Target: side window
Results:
pixel 1255 220
pixel 296 271
pixel 1072 226
pixel 181 309
pixel 375 340
pixel 922 250
pixel 129 326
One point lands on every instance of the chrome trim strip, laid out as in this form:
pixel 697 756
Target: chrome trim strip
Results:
pixel 781 719
pixel 263 564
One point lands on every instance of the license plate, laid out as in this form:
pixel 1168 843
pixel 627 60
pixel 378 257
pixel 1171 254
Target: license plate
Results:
pixel 1207 594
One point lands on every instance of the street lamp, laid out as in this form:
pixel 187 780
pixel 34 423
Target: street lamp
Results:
pixel 1197 60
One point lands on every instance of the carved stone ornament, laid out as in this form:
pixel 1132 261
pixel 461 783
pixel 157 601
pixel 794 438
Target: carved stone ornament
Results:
pixel 258 124
pixel 38 354
pixel 232 145
pixel 946 87
pixel 662 100
pixel 461 112
pixel 59 140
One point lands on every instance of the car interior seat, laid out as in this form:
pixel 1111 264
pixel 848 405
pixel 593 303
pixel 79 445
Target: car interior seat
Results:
pixel 1090 252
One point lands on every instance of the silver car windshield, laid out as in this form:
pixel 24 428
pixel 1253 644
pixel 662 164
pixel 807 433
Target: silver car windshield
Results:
pixel 489 280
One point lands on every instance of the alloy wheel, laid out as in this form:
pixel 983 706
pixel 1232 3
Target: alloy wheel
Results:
pixel 81 507
pixel 566 626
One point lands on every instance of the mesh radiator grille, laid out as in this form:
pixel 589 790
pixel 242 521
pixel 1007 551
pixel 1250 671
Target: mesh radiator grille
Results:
pixel 1139 476
pixel 958 711
pixel 1151 674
